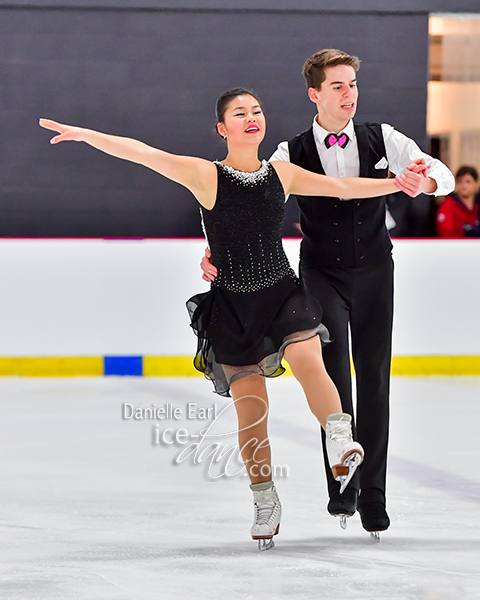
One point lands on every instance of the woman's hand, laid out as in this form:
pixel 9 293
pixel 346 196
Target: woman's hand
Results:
pixel 67 132
pixel 418 166
pixel 196 174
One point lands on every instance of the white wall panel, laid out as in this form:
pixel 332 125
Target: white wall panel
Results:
pixel 95 297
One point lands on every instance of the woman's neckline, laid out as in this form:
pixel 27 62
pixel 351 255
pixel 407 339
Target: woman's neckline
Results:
pixel 263 164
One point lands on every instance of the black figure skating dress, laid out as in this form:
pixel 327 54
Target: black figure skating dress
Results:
pixel 256 305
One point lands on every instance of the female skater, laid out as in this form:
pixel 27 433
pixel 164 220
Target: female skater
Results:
pixel 257 310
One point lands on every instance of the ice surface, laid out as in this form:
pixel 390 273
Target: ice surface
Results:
pixel 92 508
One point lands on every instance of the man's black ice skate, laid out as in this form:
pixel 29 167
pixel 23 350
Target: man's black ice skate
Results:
pixel 343 505
pixel 374 518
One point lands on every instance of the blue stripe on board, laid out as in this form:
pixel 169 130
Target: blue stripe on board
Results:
pixel 123 365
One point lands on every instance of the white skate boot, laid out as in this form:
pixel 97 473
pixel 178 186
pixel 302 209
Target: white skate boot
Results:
pixel 344 455
pixel 267 514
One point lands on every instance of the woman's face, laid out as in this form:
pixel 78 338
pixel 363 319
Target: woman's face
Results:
pixel 466 186
pixel 244 121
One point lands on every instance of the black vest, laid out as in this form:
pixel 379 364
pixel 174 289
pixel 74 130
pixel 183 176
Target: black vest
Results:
pixel 336 233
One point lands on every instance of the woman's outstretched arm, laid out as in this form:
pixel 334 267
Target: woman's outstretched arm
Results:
pixel 196 174
pixel 296 180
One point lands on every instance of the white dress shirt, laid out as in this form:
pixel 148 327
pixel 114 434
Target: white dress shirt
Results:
pixel 400 152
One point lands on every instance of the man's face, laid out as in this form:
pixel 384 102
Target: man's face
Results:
pixel 336 99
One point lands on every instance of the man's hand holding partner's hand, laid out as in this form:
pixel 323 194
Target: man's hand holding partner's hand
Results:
pixel 209 271
pixel 414 180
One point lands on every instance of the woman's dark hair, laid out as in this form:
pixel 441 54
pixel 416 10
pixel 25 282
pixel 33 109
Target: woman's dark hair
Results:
pixel 228 96
pixel 467 170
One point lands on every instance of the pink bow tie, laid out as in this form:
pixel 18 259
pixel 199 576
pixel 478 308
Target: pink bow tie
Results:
pixel 332 139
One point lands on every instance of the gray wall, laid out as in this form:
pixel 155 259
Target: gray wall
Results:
pixel 155 75
pixel 355 6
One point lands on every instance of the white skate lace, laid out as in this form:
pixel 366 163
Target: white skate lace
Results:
pixel 340 432
pixel 265 507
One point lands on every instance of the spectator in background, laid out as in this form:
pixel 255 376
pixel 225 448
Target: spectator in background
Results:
pixel 459 215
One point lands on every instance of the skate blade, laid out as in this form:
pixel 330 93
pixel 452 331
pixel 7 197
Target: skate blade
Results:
pixel 266 542
pixel 375 536
pixel 342 518
pixel 343 521
pixel 344 472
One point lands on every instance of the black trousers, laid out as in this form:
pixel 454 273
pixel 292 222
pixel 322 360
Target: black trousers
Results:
pixel 360 298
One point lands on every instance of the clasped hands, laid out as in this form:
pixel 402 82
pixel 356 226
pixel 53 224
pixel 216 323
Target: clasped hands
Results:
pixel 414 180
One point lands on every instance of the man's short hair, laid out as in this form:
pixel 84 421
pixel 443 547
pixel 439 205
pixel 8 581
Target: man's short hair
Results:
pixel 467 170
pixel 314 67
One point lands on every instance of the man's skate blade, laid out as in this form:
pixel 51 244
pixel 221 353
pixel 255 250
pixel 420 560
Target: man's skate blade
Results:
pixel 344 472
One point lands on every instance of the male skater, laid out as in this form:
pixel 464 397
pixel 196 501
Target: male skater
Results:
pixel 346 263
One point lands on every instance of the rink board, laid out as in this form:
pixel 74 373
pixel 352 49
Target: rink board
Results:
pixel 93 307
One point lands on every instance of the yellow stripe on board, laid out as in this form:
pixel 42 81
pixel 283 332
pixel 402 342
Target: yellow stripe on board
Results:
pixel 435 365
pixel 182 366
pixel 60 366
pixel 176 366
pixel 169 366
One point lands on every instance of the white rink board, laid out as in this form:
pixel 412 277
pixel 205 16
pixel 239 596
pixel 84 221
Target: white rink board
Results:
pixel 102 297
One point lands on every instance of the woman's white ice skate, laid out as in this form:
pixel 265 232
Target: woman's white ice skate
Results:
pixel 267 514
pixel 344 455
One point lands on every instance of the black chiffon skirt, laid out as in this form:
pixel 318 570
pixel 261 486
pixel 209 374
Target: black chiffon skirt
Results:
pixel 245 333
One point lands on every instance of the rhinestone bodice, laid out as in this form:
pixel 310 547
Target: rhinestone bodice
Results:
pixel 244 229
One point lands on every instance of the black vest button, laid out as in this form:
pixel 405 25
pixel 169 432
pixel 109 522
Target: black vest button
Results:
pixel 335 223
pixel 338 258
pixel 359 222
pixel 358 239
pixel 362 257
pixel 337 241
